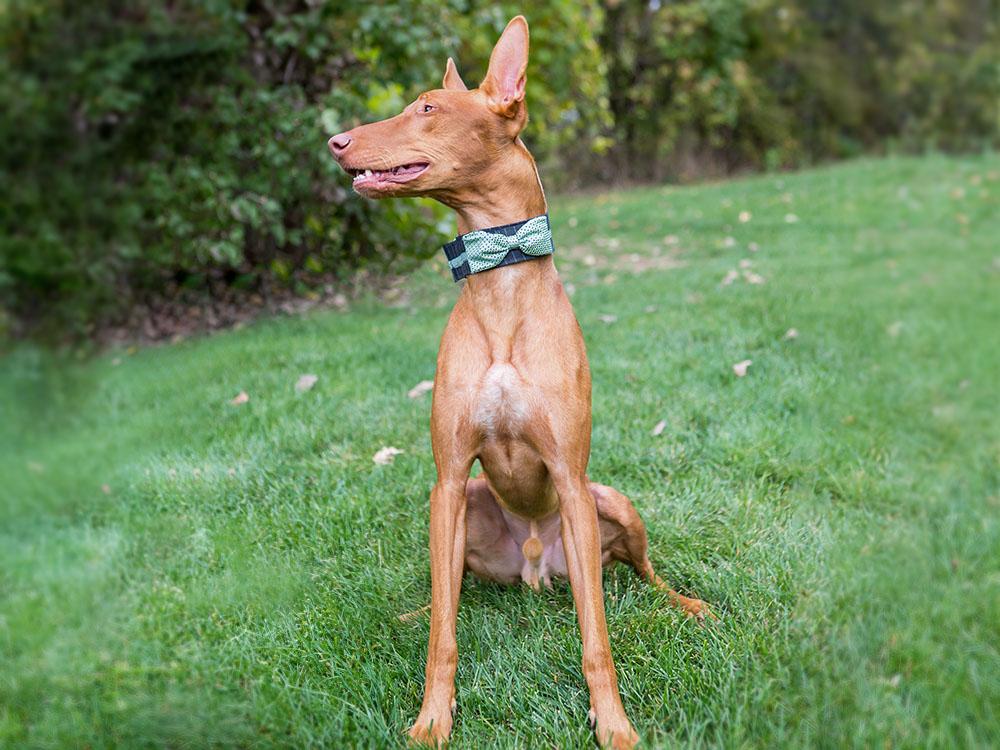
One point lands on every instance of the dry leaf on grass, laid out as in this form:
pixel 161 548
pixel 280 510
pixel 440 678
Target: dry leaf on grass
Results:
pixel 608 319
pixel 753 278
pixel 791 333
pixel 305 382
pixel 420 388
pixel 745 216
pixel 791 219
pixel 730 277
pixel 659 428
pixel 895 329
pixel 740 368
pixel 240 398
pixel 386 455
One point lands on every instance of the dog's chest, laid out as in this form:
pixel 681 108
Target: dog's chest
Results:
pixel 502 401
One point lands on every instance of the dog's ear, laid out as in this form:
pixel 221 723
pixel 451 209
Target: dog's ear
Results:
pixel 506 78
pixel 452 80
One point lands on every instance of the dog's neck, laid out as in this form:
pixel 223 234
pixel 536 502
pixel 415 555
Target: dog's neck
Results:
pixel 506 191
pixel 503 297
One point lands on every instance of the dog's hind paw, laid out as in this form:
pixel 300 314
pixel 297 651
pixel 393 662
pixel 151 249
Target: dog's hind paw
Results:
pixel 695 608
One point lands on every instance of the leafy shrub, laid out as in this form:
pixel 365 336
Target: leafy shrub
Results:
pixel 164 150
pixel 720 85
pixel 154 147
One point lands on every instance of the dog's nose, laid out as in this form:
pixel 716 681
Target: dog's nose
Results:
pixel 339 143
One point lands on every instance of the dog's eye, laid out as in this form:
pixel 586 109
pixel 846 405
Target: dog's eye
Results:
pixel 427 108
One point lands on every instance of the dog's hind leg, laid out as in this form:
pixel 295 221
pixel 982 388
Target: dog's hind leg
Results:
pixel 623 538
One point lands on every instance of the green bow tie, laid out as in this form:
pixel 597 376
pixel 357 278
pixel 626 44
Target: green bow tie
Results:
pixel 485 249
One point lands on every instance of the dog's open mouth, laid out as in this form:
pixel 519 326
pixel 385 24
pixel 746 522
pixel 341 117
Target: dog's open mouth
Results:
pixel 378 178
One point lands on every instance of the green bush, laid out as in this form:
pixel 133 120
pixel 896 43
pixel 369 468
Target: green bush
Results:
pixel 152 148
pixel 700 86
pixel 158 150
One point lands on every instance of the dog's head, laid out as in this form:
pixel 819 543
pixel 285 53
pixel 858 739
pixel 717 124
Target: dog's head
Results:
pixel 449 139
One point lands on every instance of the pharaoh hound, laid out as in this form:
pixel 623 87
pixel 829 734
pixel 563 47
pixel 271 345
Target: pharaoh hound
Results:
pixel 512 387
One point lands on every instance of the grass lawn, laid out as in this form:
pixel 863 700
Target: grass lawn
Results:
pixel 176 571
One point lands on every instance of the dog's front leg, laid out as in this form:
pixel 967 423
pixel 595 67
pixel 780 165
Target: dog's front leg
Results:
pixel 447 532
pixel 582 546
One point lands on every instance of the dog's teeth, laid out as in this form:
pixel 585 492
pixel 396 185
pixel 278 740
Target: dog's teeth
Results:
pixel 368 173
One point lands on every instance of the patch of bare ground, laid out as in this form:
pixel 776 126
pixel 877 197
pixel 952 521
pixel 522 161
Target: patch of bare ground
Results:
pixel 611 254
pixel 178 315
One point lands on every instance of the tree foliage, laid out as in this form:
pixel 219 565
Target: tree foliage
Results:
pixel 154 147
pixel 171 149
pixel 717 85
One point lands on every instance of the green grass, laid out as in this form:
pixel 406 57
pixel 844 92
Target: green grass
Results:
pixel 237 581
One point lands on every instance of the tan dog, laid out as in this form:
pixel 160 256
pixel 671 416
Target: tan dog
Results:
pixel 512 387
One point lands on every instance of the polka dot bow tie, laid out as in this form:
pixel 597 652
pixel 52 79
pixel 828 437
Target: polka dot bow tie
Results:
pixel 485 249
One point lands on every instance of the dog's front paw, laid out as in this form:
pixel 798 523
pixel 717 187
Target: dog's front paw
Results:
pixel 431 729
pixel 614 732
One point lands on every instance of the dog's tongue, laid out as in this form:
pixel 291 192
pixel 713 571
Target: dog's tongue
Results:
pixel 407 169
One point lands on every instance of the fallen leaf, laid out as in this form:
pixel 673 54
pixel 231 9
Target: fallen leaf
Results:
pixel 791 218
pixel 106 489
pixel 740 368
pixel 730 277
pixel 671 239
pixel 729 242
pixel 659 428
pixel 894 329
pixel 420 388
pixel 305 382
pixel 745 216
pixel 753 247
pixel 649 309
pixel 608 319
pixel 753 278
pixel 240 398
pixel 386 455
pixel 746 263
pixel 791 334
